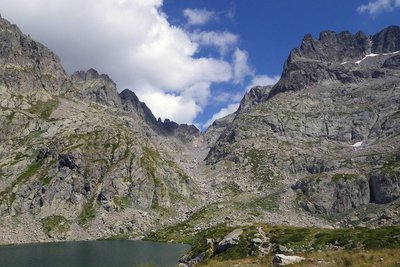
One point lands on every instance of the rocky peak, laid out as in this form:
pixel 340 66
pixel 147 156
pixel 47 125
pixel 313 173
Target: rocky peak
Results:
pixel 336 57
pixel 130 102
pixel 90 75
pixel 42 68
pixel 183 130
pixel 387 40
pixel 256 95
pixel 333 46
pixel 96 87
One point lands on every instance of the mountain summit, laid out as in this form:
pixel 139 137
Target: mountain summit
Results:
pixel 331 56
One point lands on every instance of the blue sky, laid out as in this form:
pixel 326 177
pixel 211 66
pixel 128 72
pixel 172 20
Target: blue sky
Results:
pixel 268 30
pixel 190 61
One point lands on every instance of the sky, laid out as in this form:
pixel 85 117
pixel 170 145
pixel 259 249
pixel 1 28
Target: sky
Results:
pixel 189 60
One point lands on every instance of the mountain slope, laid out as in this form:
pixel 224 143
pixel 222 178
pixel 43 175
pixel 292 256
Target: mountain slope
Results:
pixel 77 158
pixel 306 132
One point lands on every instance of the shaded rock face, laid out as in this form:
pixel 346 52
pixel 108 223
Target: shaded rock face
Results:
pixel 392 62
pixel 215 130
pixel 386 41
pixel 385 181
pixel 130 102
pixel 334 193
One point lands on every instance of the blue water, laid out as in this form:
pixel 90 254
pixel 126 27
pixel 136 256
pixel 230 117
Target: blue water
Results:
pixel 92 253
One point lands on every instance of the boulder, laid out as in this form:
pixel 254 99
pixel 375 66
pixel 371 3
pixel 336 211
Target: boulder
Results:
pixel 281 259
pixel 230 240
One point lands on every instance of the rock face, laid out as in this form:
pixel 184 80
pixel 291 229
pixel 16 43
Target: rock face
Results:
pixel 281 260
pixel 230 240
pixel 385 182
pixel 97 88
pixel 329 127
pixel 25 62
pixel 78 158
pixel 326 59
pixel 334 194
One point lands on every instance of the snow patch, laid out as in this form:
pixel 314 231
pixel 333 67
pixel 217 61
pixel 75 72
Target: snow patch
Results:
pixel 358 144
pixel 374 55
pixel 369 55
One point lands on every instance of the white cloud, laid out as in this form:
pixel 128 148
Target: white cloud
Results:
pixel 131 41
pixel 376 7
pixel 224 41
pixel 222 113
pixel 262 80
pixel 198 16
pixel 224 97
pixel 241 67
pixel 171 106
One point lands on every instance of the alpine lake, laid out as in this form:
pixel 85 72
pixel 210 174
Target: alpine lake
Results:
pixel 93 253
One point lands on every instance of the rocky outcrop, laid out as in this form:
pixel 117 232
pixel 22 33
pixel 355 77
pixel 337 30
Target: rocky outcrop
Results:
pixel 230 240
pixel 97 88
pixel 327 58
pixel 334 193
pixel 282 260
pixel 26 65
pixel 385 182
pixel 254 96
pixel 130 102
pixel 387 40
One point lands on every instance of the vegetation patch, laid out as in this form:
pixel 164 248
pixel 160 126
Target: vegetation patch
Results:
pixel 344 177
pixel 23 177
pixel 44 109
pixel 45 179
pixel 87 214
pixel 259 205
pixel 256 159
pixel 149 161
pixel 55 224
pixel 122 202
pixel 298 239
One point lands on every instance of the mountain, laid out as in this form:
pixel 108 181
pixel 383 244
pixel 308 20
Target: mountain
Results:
pixel 79 160
pixel 329 128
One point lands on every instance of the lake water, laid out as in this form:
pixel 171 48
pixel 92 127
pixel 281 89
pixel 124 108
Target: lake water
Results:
pixel 92 253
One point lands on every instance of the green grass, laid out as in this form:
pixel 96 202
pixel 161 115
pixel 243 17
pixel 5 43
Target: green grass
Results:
pixel 44 109
pixel 122 202
pixel 344 177
pixel 257 161
pixel 88 213
pixel 23 177
pixel 149 162
pixel 56 224
pixel 296 238
pixel 391 167
pixel 45 179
